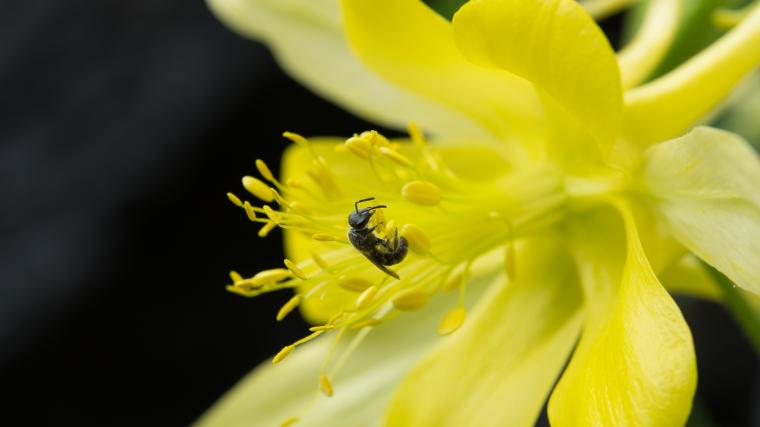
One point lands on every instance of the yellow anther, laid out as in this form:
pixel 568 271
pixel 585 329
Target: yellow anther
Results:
pixel 294 269
pixel 235 276
pixel 451 321
pixel 288 307
pixel 326 386
pixel 321 328
pixel 366 297
pixel 279 357
pixel 326 238
pixel 422 193
pixel 453 281
pixel 410 300
pixel 270 213
pixel 268 227
pixel 299 208
pixel 298 139
pixel 258 188
pixel 358 146
pixel 356 284
pixel 366 323
pixel 319 260
pixel 289 421
pixel 264 170
pixel 270 276
pixel 375 138
pixel 418 241
pixel 249 212
pixel 235 200
pixel 396 157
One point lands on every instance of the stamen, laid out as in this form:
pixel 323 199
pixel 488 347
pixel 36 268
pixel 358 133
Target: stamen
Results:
pixel 294 269
pixel 299 208
pixel 249 212
pixel 264 171
pixel 270 276
pixel 319 260
pixel 454 280
pixel 326 386
pixel 235 200
pixel 270 214
pixel 419 242
pixel 279 357
pixel 288 307
pixel 327 238
pixel 397 157
pixel 366 323
pixel 258 188
pixel 422 193
pixel 451 321
pixel 266 229
pixel 366 297
pixel 298 139
pixel 358 146
pixel 410 300
pixel 356 284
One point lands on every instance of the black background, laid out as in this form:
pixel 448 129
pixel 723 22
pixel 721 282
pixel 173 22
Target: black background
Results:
pixel 123 125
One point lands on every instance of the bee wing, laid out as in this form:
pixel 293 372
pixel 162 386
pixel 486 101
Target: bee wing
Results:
pixel 385 269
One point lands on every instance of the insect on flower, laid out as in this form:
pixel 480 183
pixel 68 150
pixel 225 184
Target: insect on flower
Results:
pixel 381 252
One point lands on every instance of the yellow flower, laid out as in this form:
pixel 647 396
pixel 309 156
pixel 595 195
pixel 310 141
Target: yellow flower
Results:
pixel 556 191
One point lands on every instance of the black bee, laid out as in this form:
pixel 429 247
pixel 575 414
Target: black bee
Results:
pixel 379 251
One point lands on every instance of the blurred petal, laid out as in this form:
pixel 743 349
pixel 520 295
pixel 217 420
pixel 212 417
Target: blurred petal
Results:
pixel 667 106
pixel 635 364
pixel 363 387
pixel 498 369
pixel 688 277
pixel 411 46
pixel 306 36
pixel 556 45
pixel 650 44
pixel 705 186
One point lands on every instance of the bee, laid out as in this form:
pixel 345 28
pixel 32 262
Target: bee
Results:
pixel 381 252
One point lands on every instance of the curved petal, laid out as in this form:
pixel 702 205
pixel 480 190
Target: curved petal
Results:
pixel 688 277
pixel 667 106
pixel 306 36
pixel 364 385
pixel 498 369
pixel 643 54
pixel 705 186
pixel 411 46
pixel 635 363
pixel 556 45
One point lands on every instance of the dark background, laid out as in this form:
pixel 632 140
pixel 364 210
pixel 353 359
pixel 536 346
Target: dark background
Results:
pixel 122 125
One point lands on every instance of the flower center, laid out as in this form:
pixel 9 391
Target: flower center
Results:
pixel 446 220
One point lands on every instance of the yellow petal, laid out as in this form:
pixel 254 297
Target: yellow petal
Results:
pixel 307 39
pixel 667 106
pixel 556 45
pixel 650 44
pixel 411 46
pixel 498 368
pixel 635 364
pixel 705 186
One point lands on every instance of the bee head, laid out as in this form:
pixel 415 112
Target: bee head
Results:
pixel 360 218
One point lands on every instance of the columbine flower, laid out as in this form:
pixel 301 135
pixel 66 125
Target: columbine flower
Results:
pixel 555 193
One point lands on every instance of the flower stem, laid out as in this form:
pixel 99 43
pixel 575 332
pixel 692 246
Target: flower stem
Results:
pixel 747 318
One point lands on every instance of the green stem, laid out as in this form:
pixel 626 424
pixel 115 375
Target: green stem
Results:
pixel 747 318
